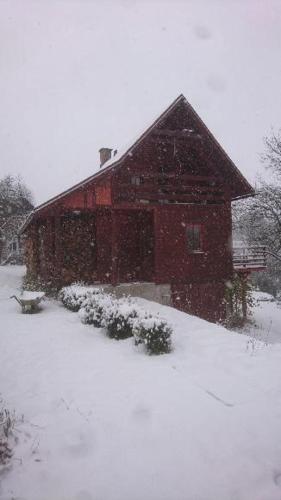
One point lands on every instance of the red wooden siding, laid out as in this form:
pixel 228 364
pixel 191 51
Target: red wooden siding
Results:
pixel 205 299
pixel 135 242
pixel 104 247
pixel 174 262
pixel 103 194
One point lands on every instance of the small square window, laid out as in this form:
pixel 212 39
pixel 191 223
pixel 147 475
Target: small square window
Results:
pixel 136 180
pixel 194 238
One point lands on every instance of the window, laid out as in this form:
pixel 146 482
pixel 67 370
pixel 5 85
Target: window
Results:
pixel 165 171
pixel 136 180
pixel 194 238
pixel 167 168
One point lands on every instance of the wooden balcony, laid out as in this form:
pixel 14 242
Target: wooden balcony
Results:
pixel 169 189
pixel 249 259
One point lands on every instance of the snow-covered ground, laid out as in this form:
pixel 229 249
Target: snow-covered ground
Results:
pixel 266 319
pixel 103 421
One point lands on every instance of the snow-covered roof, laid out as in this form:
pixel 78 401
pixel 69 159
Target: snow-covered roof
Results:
pixel 115 160
pixel 126 151
pixel 129 147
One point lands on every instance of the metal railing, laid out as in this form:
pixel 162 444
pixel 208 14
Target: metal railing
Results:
pixel 249 258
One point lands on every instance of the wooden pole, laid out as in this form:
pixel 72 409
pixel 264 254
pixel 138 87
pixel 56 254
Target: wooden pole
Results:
pixel 58 248
pixel 156 244
pixel 114 247
pixel 244 295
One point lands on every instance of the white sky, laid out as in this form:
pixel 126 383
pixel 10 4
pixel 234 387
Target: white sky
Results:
pixel 79 75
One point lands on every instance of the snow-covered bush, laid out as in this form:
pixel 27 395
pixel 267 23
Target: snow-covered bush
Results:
pixel 94 308
pixel 74 295
pixel 118 319
pixel 122 318
pixel 154 332
pixel 7 421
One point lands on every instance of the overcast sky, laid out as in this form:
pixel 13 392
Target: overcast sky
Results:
pixel 79 75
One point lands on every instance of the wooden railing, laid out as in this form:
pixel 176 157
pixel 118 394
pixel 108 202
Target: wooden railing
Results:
pixel 249 258
pixel 171 189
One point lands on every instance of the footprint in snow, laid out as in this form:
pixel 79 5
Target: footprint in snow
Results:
pixel 277 478
pixel 83 495
pixel 141 413
pixel 78 444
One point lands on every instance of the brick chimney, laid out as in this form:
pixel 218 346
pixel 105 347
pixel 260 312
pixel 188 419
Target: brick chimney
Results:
pixel 105 154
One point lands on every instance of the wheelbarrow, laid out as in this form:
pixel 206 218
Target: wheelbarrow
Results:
pixel 29 301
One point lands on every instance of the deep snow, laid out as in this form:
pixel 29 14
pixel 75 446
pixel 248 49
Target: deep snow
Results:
pixel 104 421
pixel 266 319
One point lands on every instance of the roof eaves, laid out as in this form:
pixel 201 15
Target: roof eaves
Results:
pixel 243 196
pixel 26 223
pixel 73 188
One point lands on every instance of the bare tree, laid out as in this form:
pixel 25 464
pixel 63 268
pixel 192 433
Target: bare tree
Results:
pixel 257 221
pixel 272 155
pixel 15 197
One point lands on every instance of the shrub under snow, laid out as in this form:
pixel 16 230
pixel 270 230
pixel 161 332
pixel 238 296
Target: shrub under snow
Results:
pixel 122 318
pixel 74 295
pixel 94 308
pixel 154 332
pixel 7 421
pixel 118 319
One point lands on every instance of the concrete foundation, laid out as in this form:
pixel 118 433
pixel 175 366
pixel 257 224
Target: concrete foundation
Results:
pixel 149 291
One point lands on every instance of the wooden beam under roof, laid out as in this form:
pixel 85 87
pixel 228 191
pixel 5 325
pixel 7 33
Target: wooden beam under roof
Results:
pixel 178 133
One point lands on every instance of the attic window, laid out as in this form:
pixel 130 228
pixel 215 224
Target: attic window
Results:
pixel 137 180
pixel 166 168
pixel 194 238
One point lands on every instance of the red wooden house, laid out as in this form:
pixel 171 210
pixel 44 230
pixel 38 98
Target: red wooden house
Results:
pixel 158 213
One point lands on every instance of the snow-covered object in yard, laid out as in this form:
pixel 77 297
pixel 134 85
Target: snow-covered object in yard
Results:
pixel 152 331
pixel 118 319
pixel 29 301
pixel 6 435
pixel 28 295
pixel 263 296
pixel 123 318
pixel 94 308
pixel 74 295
